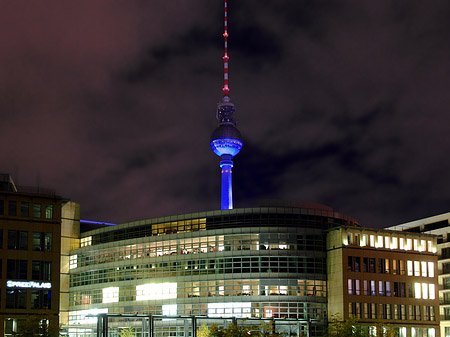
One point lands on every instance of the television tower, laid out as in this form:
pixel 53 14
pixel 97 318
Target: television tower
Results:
pixel 226 138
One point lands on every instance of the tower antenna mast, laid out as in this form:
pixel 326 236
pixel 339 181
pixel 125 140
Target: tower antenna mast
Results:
pixel 226 138
pixel 225 88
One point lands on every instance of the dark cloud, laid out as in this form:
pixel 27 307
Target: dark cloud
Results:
pixel 339 102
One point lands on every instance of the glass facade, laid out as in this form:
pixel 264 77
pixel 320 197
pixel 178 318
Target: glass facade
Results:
pixel 254 263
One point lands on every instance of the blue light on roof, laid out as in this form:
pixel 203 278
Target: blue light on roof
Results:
pixel 98 222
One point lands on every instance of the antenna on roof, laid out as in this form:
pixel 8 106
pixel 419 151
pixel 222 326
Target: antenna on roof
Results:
pixel 226 138
pixel 225 88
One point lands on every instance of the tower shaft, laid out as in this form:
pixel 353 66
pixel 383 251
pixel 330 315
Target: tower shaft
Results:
pixel 226 165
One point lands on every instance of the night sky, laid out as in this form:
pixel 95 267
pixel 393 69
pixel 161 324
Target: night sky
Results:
pixel 345 103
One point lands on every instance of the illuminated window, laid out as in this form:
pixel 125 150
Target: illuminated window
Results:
pixel 409 265
pixel 402 243
pixel 73 261
pixel 379 242
pixel 158 291
pixel 386 242
pixel 372 241
pixel 430 246
pixel 85 316
pixel 432 293
pixel 236 309
pixel 416 268
pixel 424 268
pixel 364 240
pixel 373 290
pixel 422 246
pixel 408 244
pixel 417 293
pixel 381 288
pixel 110 295
pixel 424 291
pixel 394 243
pixel 416 244
pixel 169 309
pixel 431 269
pixel 87 241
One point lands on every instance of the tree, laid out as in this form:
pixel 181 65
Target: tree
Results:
pixel 203 331
pixel 232 330
pixel 351 327
pixel 340 328
pixel 128 331
pixel 267 329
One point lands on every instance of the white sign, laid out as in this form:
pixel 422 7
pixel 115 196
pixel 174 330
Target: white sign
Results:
pixel 28 284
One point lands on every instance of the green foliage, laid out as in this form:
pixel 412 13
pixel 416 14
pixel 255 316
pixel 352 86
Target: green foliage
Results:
pixel 37 327
pixel 128 331
pixel 382 330
pixel 232 330
pixel 351 327
pixel 267 329
pixel 339 328
pixel 203 331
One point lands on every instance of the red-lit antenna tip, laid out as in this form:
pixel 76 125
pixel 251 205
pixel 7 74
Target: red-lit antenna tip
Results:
pixel 225 57
pixel 225 34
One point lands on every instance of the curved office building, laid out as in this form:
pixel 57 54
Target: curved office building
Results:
pixel 266 262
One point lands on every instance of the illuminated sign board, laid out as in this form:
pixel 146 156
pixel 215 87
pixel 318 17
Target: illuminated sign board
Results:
pixel 28 284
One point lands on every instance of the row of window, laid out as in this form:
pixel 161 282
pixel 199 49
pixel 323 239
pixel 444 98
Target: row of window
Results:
pixel 18 270
pixel 182 226
pixel 392 311
pixel 211 244
pixel 390 266
pixel 396 289
pixel 204 289
pixel 236 265
pixel 297 310
pixel 389 242
pixel 18 240
pixel 26 209
pixel 17 298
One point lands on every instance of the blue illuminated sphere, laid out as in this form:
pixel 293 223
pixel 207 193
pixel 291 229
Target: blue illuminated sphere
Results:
pixel 226 140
